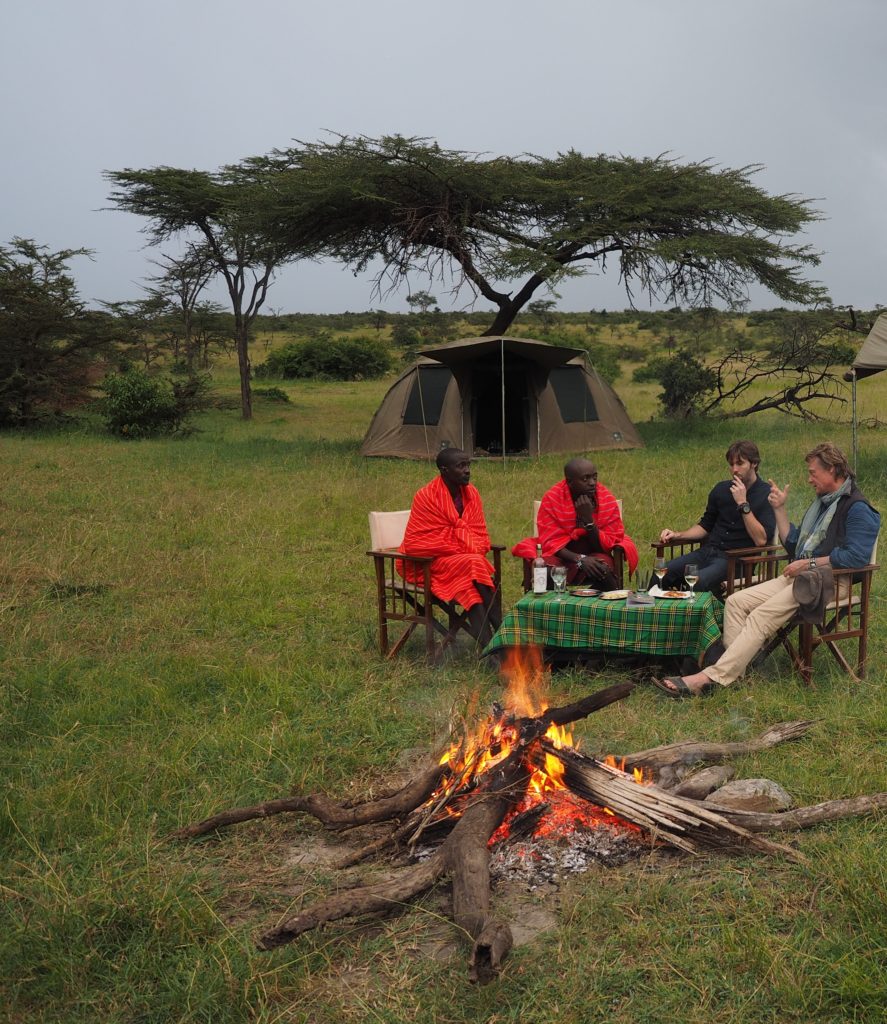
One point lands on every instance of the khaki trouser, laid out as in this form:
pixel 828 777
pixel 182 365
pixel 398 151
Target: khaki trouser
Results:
pixel 751 617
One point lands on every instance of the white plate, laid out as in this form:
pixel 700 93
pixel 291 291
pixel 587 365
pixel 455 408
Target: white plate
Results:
pixel 585 592
pixel 614 595
pixel 675 595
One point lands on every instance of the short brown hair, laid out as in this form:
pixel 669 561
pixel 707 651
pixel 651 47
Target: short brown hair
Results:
pixel 831 456
pixel 747 450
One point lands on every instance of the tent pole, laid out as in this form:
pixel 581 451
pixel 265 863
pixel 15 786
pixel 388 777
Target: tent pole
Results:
pixel 854 418
pixel 502 371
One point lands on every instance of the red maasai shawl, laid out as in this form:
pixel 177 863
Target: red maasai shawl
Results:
pixel 557 525
pixel 458 543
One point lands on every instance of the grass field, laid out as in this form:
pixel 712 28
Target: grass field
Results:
pixel 187 625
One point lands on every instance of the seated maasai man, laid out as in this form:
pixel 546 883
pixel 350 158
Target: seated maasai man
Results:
pixel 579 523
pixel 447 522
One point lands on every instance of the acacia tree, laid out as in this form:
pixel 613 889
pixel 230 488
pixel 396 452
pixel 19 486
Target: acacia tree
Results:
pixel 49 342
pixel 687 234
pixel 216 209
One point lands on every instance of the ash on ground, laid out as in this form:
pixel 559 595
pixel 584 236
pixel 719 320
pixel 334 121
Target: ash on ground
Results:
pixel 546 860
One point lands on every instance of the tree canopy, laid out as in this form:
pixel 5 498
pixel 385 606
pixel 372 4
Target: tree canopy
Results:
pixel 216 208
pixel 685 233
pixel 49 342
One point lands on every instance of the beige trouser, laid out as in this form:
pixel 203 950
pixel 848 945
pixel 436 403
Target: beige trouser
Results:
pixel 751 617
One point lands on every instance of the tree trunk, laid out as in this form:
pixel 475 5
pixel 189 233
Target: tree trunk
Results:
pixel 242 341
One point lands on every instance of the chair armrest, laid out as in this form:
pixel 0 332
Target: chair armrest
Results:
pixel 395 553
pixel 761 549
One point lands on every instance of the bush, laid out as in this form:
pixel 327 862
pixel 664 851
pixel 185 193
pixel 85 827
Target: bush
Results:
pixel 139 405
pixel 685 382
pixel 651 372
pixel 327 358
pixel 272 394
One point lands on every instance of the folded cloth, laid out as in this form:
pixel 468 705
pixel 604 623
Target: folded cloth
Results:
pixel 814 590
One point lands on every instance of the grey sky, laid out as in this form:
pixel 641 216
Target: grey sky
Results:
pixel 797 85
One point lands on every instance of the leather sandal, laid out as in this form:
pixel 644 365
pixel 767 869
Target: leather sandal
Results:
pixel 679 689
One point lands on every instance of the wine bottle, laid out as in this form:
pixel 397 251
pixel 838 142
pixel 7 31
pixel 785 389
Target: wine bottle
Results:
pixel 540 572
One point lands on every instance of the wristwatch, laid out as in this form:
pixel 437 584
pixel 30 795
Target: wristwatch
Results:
pixel 745 508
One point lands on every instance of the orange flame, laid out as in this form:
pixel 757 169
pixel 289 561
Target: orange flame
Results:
pixel 494 739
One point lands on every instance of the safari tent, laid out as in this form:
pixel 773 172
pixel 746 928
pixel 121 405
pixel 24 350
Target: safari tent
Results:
pixel 499 396
pixel 871 358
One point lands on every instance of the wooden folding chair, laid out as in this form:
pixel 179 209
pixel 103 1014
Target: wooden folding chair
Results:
pixel 846 618
pixel 617 554
pixel 413 604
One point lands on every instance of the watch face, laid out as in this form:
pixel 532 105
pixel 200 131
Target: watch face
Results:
pixel 745 508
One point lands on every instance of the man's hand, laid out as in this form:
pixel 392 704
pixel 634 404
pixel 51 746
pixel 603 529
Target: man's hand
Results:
pixel 737 489
pixel 595 568
pixel 666 535
pixel 586 506
pixel 799 565
pixel 777 497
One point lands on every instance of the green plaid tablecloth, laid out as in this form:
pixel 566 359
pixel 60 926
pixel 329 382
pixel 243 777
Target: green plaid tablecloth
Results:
pixel 590 623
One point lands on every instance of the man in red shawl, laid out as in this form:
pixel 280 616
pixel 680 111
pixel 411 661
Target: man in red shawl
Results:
pixel 579 524
pixel 447 522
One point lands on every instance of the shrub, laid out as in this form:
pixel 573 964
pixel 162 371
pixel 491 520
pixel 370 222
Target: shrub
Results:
pixel 327 358
pixel 685 382
pixel 651 372
pixel 139 405
pixel 272 394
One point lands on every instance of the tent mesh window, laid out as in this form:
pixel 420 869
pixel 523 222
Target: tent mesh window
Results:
pixel 426 396
pixel 574 399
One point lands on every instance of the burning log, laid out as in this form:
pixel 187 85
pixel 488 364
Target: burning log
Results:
pixel 678 821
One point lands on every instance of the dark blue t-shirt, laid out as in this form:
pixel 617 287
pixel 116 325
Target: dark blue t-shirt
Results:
pixel 726 524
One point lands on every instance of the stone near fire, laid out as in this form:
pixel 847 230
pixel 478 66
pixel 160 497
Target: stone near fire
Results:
pixel 699 785
pixel 762 795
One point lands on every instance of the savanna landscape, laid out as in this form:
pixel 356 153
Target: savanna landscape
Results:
pixel 188 625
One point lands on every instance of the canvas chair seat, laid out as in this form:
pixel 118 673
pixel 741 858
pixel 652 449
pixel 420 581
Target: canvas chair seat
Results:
pixel 617 554
pixel 845 618
pixel 404 605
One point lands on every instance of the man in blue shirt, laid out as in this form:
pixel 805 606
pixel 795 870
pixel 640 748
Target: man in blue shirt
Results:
pixel 737 515
pixel 839 530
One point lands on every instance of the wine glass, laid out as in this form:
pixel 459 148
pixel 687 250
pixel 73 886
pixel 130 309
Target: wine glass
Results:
pixel 691 575
pixel 659 569
pixel 559 579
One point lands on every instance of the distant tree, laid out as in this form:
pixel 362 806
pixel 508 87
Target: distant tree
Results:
pixel 139 328
pixel 688 233
pixel 216 209
pixel 49 342
pixel 178 287
pixel 422 301
pixel 798 369
pixel 544 311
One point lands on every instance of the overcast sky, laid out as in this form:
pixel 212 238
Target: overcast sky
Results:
pixel 799 86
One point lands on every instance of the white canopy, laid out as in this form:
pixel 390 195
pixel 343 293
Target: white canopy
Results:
pixel 872 357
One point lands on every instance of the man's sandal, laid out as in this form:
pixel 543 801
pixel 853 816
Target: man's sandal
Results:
pixel 679 689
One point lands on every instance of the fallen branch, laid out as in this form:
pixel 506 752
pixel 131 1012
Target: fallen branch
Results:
pixel 692 752
pixel 804 817
pixel 332 814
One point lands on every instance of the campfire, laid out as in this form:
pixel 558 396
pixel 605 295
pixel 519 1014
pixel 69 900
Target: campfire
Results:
pixel 548 808
pixel 519 776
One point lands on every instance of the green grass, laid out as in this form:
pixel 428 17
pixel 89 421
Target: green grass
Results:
pixel 186 625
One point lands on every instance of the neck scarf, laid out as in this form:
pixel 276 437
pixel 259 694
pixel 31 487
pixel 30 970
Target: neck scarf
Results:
pixel 817 520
